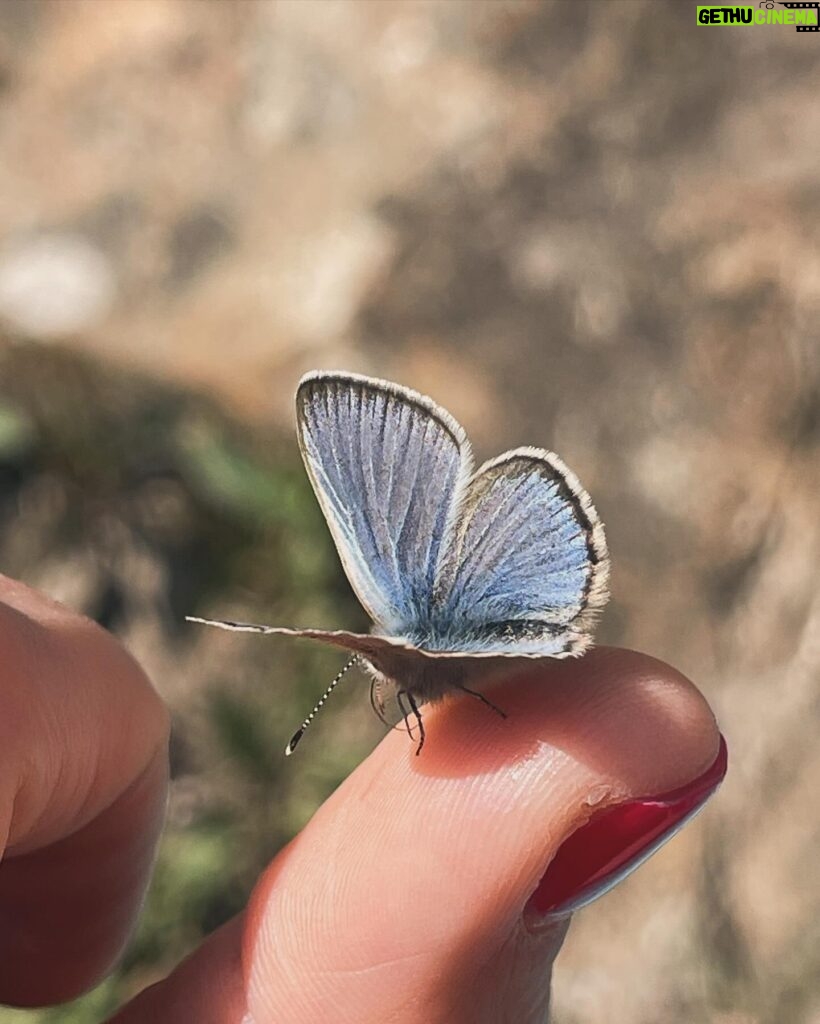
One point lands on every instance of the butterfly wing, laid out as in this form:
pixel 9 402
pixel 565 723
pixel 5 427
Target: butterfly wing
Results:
pixel 368 645
pixel 527 567
pixel 386 465
pixel 427 674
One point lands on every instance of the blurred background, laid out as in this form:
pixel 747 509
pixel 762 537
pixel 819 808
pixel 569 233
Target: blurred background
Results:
pixel 591 226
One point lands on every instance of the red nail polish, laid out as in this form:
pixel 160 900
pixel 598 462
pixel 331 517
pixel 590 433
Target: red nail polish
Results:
pixel 615 842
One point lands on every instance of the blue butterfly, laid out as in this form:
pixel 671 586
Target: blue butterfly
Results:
pixel 459 569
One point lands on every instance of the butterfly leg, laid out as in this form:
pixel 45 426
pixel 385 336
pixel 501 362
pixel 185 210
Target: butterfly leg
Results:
pixel 405 714
pixel 484 700
pixel 419 723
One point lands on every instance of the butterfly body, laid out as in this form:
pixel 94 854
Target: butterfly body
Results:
pixel 459 569
pixel 427 678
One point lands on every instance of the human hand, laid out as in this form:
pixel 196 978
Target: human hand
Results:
pixel 416 893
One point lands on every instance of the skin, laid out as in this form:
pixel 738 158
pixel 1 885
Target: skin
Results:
pixel 402 900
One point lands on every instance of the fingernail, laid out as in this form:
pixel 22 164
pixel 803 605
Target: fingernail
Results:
pixel 613 843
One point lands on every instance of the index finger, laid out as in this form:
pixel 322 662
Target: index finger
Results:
pixel 82 795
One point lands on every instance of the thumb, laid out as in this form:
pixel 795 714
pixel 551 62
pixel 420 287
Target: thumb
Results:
pixel 437 888
pixel 408 896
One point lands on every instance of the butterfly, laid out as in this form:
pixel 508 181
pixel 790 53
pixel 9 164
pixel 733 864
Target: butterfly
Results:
pixel 460 569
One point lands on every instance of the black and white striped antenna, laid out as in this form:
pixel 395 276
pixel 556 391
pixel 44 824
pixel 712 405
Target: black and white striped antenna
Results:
pixel 300 731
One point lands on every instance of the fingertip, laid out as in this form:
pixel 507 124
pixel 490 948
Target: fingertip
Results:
pixel 617 713
pixel 84 736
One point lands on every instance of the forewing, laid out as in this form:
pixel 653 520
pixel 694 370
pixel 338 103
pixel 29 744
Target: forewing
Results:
pixel 527 568
pixel 366 644
pixel 386 464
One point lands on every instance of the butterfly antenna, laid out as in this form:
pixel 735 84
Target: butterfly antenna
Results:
pixel 300 731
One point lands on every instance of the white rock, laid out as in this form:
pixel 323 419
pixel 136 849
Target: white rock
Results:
pixel 54 285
